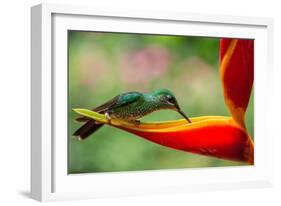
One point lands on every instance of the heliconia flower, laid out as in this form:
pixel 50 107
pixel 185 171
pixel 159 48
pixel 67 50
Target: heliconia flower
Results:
pixel 214 136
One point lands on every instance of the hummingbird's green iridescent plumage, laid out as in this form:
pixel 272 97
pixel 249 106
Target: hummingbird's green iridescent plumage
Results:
pixel 131 106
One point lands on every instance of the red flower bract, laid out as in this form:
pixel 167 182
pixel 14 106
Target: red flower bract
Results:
pixel 220 138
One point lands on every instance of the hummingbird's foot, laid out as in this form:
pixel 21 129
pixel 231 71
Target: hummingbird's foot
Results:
pixel 136 122
pixel 107 116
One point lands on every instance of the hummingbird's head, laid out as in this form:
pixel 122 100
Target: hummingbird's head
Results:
pixel 169 101
pixel 166 98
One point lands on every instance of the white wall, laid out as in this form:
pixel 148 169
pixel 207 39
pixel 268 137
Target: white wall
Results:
pixel 15 95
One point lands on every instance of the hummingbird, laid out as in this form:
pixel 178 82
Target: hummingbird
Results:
pixel 130 106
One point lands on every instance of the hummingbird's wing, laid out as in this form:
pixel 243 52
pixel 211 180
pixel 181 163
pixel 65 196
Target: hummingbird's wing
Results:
pixel 90 126
pixel 107 105
pixel 118 101
pixel 126 99
pixel 100 109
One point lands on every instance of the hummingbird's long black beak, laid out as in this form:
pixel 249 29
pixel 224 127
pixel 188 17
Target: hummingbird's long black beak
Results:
pixel 183 114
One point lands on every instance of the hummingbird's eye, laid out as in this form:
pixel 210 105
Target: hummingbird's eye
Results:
pixel 170 98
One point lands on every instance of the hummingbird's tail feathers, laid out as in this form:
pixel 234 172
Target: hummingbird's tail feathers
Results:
pixel 87 129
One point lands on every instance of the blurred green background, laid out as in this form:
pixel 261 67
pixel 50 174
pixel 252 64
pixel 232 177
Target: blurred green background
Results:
pixel 102 65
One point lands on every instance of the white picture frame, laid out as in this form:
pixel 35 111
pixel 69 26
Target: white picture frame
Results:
pixel 49 178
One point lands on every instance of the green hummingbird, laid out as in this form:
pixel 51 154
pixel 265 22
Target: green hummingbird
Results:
pixel 130 106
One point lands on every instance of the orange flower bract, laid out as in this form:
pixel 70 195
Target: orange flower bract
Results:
pixel 237 75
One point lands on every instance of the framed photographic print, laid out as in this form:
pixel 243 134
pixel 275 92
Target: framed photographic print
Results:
pixel 133 102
